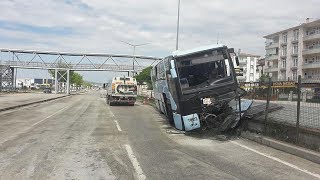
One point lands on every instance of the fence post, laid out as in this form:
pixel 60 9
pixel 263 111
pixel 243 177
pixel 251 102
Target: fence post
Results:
pixel 298 109
pixel 267 105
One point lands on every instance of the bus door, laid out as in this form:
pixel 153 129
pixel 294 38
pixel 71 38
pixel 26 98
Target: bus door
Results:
pixel 173 86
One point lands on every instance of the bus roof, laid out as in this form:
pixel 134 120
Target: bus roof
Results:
pixel 179 53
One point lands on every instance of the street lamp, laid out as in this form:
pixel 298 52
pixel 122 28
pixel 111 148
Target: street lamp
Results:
pixel 178 22
pixel 134 51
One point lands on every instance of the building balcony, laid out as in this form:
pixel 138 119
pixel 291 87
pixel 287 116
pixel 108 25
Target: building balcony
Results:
pixel 311 37
pixel 283 43
pixel 271 69
pixel 282 79
pixel 294 41
pixel 283 68
pixel 311 65
pixel 311 51
pixel 295 54
pixel 272 45
pixel 294 68
pixel 283 56
pixel 272 57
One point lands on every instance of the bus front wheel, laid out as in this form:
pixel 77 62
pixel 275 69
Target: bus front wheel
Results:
pixel 169 112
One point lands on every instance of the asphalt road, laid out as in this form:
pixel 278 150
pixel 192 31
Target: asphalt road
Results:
pixel 14 99
pixel 80 137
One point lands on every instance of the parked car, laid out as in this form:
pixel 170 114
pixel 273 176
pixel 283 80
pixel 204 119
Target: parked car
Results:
pixel 46 90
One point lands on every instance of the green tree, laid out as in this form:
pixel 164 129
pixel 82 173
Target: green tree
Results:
pixel 144 76
pixel 87 84
pixel 77 79
pixel 264 78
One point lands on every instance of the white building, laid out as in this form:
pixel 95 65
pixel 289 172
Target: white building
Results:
pixel 25 82
pixel 294 51
pixel 249 64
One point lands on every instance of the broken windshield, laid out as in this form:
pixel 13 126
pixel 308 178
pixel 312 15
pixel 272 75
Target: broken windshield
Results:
pixel 203 71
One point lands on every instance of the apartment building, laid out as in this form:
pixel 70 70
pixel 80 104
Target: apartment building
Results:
pixel 294 51
pixel 249 63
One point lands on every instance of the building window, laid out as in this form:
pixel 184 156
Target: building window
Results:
pixel 283 76
pixel 296 34
pixel 285 37
pixel 283 63
pixel 284 51
pixel 294 75
pixel 311 31
pixel 295 49
pixel 295 62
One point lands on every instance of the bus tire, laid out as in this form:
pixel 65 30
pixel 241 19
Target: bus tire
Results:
pixel 169 112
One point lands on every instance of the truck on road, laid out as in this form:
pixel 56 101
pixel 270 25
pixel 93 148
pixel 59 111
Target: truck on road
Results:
pixel 122 90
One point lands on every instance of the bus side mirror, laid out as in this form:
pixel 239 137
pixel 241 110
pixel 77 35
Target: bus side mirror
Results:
pixel 237 61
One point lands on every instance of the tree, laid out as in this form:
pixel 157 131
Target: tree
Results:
pixel 87 84
pixel 264 78
pixel 145 77
pixel 77 79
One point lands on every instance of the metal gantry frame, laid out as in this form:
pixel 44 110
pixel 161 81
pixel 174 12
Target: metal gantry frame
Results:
pixel 7 82
pixel 62 67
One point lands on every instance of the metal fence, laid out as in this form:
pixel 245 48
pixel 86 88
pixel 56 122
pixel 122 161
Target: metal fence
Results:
pixel 289 107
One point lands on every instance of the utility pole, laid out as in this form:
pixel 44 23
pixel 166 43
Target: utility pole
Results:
pixel 134 52
pixel 178 23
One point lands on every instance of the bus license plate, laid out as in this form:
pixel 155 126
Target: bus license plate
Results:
pixel 207 101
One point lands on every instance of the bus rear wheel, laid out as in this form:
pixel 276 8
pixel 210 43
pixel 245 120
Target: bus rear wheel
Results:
pixel 169 112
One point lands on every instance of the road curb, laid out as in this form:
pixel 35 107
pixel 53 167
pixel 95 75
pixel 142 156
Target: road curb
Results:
pixel 31 103
pixel 295 150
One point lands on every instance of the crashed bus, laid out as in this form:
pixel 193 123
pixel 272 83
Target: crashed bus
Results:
pixel 198 88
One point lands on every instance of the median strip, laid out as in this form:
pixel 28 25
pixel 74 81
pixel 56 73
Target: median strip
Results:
pixel 31 103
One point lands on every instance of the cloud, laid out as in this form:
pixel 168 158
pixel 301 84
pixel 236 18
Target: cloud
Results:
pixel 101 25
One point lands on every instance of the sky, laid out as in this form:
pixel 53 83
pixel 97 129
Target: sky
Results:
pixel 101 25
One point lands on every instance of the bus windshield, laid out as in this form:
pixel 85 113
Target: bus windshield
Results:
pixel 203 70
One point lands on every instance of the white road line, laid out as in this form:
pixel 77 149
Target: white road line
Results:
pixel 277 159
pixel 118 126
pixel 135 162
pixel 111 112
pixel 50 116
pixel 115 121
pixel 27 129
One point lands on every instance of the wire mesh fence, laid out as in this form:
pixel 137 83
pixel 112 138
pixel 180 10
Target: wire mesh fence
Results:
pixel 288 107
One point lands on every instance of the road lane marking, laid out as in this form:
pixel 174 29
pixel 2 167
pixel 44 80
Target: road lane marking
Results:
pixel 135 162
pixel 26 130
pixel 115 121
pixel 277 159
pixel 118 126
pixel 50 116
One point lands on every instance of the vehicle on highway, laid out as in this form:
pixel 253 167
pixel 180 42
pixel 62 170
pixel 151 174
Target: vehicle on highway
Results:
pixel 122 90
pixel 47 90
pixel 199 87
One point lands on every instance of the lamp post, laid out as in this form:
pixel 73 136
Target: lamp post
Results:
pixel 134 51
pixel 178 22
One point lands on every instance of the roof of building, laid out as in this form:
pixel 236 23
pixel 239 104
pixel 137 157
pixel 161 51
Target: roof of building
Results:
pixel 295 27
pixel 248 55
pixel 194 50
